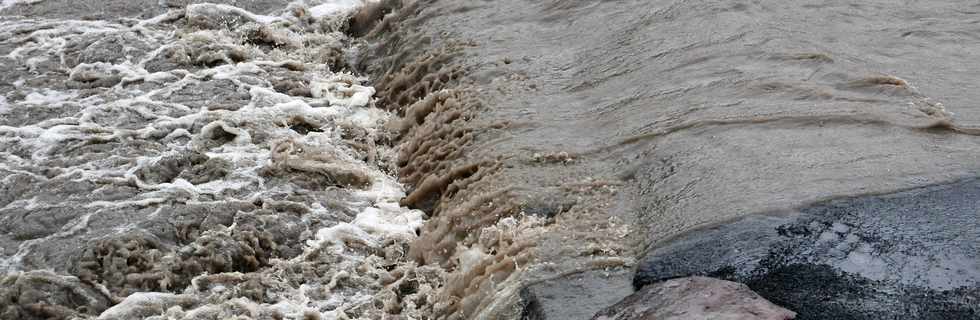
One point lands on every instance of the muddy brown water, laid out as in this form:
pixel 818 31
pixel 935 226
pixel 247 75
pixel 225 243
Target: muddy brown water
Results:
pixel 628 123
pixel 553 145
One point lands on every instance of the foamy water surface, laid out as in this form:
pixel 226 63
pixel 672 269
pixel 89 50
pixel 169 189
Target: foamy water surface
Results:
pixel 206 163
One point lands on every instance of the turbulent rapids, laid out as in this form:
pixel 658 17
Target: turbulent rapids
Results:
pixel 206 163
pixel 506 159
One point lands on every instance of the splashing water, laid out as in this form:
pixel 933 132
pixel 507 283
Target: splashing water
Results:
pixel 206 163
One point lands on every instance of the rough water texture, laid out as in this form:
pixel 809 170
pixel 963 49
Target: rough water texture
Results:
pixel 196 161
pixel 606 128
pixel 211 160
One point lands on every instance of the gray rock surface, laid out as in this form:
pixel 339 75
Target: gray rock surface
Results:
pixel 695 298
pixel 913 253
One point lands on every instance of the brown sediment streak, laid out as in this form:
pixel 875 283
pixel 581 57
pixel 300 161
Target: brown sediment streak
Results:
pixel 879 80
pixel 434 184
pixel 462 200
pixel 931 124
pixel 470 290
pixel 923 116
pixel 419 79
pixel 433 134
pixel 433 139
pixel 444 232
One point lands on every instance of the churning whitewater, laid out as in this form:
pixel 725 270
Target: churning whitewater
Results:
pixel 506 159
pixel 206 163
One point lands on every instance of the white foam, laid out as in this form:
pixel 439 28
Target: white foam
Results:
pixel 390 221
pixel 10 3
pixel 342 89
pixel 203 10
pixel 370 227
pixel 368 118
pixel 4 106
pixel 334 7
pixel 131 307
pixel 258 127
pixel 47 96
pixel 126 71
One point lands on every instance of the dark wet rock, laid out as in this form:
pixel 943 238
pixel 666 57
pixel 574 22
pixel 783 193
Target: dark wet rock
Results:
pixel 873 257
pixel 822 292
pixel 711 251
pixel 694 298
pixel 43 294
pixel 576 296
pixel 215 95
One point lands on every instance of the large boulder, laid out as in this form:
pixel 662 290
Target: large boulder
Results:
pixel 912 254
pixel 694 298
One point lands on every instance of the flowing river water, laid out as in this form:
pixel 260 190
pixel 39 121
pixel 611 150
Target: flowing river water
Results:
pixel 499 159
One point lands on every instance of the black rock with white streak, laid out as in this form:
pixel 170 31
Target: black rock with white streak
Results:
pixel 913 254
